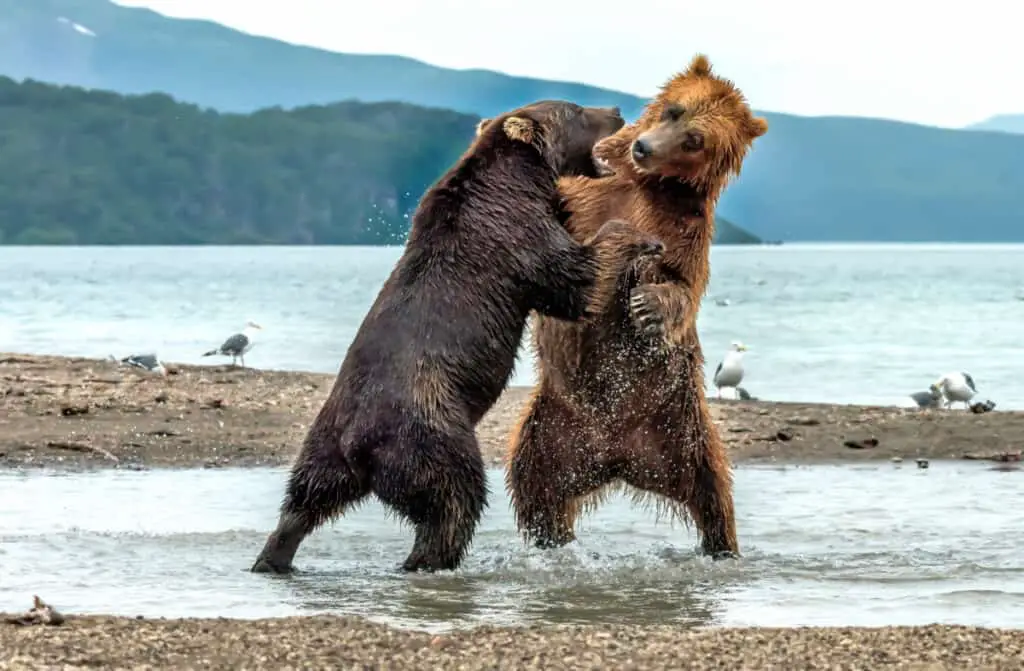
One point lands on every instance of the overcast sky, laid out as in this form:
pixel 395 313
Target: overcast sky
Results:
pixel 944 65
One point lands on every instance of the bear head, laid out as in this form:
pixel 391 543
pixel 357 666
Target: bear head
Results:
pixel 563 132
pixel 697 130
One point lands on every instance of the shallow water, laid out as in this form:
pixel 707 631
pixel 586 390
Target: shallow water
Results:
pixel 830 323
pixel 854 545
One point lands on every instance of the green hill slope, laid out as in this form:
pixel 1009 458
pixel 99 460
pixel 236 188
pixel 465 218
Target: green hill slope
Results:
pixel 92 167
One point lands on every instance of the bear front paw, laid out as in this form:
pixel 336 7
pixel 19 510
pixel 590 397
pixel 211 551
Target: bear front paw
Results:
pixel 648 247
pixel 643 309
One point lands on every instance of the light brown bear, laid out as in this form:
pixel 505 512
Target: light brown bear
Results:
pixel 620 399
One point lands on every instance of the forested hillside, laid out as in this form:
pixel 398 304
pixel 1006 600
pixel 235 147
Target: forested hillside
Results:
pixel 89 167
pixel 92 167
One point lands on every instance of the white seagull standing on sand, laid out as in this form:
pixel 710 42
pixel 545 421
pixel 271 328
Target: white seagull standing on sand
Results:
pixel 957 388
pixel 237 345
pixel 730 371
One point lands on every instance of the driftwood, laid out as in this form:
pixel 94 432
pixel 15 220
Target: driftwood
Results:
pixel 107 380
pixel 865 444
pixel 15 359
pixel 994 456
pixel 40 613
pixel 81 447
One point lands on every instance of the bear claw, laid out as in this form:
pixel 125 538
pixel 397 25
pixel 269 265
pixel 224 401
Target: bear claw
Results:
pixel 650 248
pixel 644 315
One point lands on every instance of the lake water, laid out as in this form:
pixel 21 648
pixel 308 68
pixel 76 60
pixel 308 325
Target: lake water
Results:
pixel 878 544
pixel 836 323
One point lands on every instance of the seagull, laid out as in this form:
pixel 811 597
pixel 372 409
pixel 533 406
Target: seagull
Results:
pixel 730 371
pixel 148 362
pixel 237 345
pixel 928 399
pixel 957 388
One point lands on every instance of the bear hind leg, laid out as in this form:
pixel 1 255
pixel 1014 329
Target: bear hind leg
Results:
pixel 316 492
pixel 711 507
pixel 702 487
pixel 438 483
pixel 548 473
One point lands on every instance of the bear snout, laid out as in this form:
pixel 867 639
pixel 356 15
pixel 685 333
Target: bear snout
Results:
pixel 641 149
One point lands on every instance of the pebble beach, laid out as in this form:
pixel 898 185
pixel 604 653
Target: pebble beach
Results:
pixel 321 642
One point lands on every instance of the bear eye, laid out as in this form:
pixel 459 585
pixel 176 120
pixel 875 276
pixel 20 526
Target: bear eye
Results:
pixel 673 113
pixel 693 141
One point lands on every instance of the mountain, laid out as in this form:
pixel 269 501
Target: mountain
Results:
pixel 728 233
pixel 98 44
pixel 1007 123
pixel 93 167
pixel 821 178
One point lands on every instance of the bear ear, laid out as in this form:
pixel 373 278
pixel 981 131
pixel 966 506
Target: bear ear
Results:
pixel 758 126
pixel 519 128
pixel 700 66
pixel 480 126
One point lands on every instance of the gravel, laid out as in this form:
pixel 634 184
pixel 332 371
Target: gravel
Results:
pixel 344 642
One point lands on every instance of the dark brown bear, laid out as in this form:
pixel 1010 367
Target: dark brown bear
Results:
pixel 620 399
pixel 438 345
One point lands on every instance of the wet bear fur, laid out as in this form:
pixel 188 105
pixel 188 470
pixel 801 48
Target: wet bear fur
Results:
pixel 620 399
pixel 435 350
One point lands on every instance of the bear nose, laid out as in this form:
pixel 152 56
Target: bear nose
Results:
pixel 616 111
pixel 641 149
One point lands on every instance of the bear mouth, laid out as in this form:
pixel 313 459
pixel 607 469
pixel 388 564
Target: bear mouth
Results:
pixel 603 167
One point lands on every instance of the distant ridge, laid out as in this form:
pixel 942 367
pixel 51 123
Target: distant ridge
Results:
pixel 809 179
pixel 1005 123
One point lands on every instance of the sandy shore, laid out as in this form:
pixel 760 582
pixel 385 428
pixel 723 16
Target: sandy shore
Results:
pixel 63 412
pixel 347 643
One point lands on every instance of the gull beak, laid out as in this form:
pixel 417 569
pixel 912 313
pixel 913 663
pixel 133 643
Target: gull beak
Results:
pixel 743 348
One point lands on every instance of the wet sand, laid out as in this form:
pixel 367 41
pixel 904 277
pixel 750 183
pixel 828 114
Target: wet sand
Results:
pixel 335 642
pixel 72 413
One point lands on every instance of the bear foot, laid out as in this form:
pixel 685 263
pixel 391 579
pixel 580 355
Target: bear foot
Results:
pixel 644 310
pixel 724 554
pixel 264 565
pixel 550 542
pixel 418 562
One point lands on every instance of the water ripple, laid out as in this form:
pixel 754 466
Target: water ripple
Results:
pixel 885 546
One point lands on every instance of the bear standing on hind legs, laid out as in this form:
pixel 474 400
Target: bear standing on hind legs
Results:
pixel 620 399
pixel 438 345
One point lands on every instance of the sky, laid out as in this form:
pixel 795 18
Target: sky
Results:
pixel 895 59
